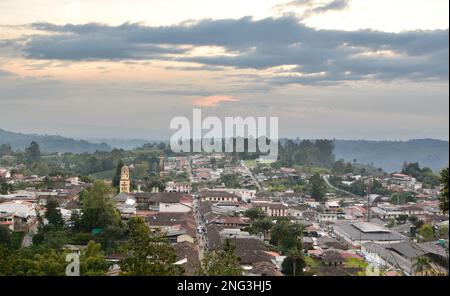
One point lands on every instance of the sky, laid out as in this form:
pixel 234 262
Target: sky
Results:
pixel 348 69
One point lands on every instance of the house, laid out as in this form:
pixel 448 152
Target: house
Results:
pixel 252 254
pixel 400 256
pixel 386 211
pixel 291 196
pixel 406 181
pixel 187 257
pixel 326 217
pixel 177 227
pixel 332 206
pixel 169 202
pixel 325 243
pixel 412 210
pixel 182 187
pixel 18 215
pixel 332 258
pixel 242 193
pixel 218 196
pixel 272 209
pixel 73 181
pixel 230 221
pixel 357 233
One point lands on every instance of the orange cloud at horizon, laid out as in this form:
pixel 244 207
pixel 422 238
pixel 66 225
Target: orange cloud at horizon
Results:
pixel 214 101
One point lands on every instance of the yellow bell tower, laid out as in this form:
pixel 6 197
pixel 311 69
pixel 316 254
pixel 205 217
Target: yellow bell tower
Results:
pixel 125 180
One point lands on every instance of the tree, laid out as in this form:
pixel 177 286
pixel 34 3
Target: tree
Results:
pixel 231 180
pixel 93 261
pixel 443 232
pixel 5 149
pixel 98 208
pixel 421 265
pixel 33 261
pixel 415 221
pixel 148 253
pixel 348 168
pixel 295 261
pixel 339 167
pixel 53 213
pixel 412 169
pixel 221 263
pixel 117 174
pixel 358 187
pixel 285 235
pixel 5 188
pixel 40 168
pixel 254 214
pixel 426 232
pixel 5 236
pixel 444 193
pixel 318 187
pixel 33 152
pixel 425 175
pixel 141 170
pixel 261 225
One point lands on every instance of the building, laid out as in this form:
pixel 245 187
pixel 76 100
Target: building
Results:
pixel 177 227
pixel 125 181
pixel 273 209
pixel 326 217
pixel 218 196
pixel 400 256
pixel 183 187
pixel 406 182
pixel 244 194
pixel 357 233
pixel 169 202
pixel 18 216
pixel 386 211
pixel 332 206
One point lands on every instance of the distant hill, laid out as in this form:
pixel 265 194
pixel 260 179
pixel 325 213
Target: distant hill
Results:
pixel 50 143
pixel 390 155
pixel 123 143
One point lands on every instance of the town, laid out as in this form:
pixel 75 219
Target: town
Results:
pixel 149 211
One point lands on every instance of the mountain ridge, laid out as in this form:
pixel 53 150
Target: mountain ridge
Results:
pixel 50 143
pixel 387 154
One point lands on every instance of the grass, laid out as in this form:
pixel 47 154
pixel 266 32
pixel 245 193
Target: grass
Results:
pixel 312 170
pixel 251 164
pixel 356 263
pixel 311 262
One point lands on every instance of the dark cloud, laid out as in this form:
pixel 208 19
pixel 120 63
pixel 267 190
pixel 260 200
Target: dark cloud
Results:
pixel 317 56
pixel 312 8
pixel 335 5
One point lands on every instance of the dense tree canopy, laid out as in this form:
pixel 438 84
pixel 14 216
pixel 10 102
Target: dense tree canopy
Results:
pixel 148 253
pixel 424 175
pixel 318 187
pixel 53 213
pixel 221 263
pixel 33 152
pixel 444 193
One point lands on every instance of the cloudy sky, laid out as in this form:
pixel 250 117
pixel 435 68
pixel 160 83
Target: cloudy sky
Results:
pixel 353 69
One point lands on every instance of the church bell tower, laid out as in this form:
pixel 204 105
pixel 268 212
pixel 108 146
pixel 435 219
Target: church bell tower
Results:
pixel 125 180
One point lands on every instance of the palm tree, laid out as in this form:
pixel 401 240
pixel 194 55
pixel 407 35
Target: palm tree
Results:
pixel 296 254
pixel 421 265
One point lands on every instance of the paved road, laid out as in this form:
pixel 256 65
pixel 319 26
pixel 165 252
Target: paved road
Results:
pixel 325 178
pixel 201 238
pixel 249 172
